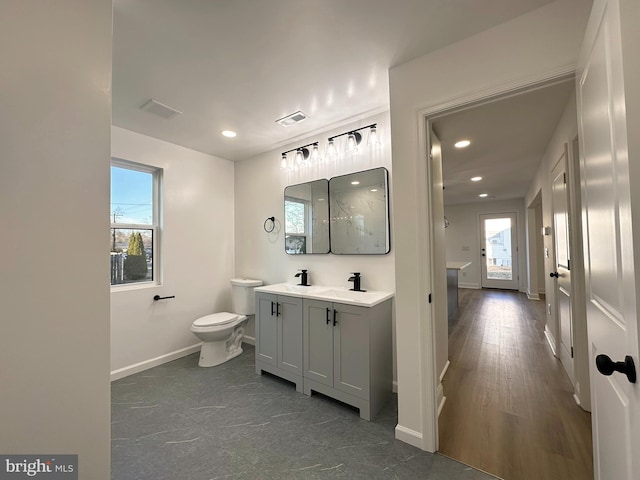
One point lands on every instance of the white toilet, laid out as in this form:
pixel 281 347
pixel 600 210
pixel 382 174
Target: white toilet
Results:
pixel 222 333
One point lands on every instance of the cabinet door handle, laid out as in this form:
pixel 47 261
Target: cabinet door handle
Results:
pixel 277 309
pixel 328 315
pixel 335 322
pixel 272 309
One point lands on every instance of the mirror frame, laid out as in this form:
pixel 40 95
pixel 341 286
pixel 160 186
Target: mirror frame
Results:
pixel 386 213
pixel 286 234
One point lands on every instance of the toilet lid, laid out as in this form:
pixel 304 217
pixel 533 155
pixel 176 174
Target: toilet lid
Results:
pixel 215 319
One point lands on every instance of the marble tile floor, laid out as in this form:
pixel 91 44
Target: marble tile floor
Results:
pixel 178 421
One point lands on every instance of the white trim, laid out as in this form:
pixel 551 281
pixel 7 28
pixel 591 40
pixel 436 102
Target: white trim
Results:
pixel 576 399
pixel 409 436
pixel 154 362
pixel 550 340
pixel 473 286
pixel 533 296
pixel 444 370
pixel 394 386
pixel 249 340
pixel 441 398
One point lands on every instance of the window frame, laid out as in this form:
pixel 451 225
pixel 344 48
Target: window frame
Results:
pixel 155 226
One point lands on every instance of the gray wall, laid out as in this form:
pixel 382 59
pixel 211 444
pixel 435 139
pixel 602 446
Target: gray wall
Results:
pixel 55 120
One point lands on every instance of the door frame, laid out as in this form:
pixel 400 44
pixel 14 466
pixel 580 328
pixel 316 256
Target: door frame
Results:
pixel 428 440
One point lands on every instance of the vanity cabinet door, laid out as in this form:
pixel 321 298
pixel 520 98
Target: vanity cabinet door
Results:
pixel 266 328
pixel 318 341
pixel 289 341
pixel 351 350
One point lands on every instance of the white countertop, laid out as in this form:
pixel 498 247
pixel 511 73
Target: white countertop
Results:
pixel 457 265
pixel 328 293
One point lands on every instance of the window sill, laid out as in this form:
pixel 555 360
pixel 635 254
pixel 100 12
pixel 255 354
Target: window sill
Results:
pixel 126 287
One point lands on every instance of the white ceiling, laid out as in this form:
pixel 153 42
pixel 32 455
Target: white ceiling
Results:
pixel 508 139
pixel 242 64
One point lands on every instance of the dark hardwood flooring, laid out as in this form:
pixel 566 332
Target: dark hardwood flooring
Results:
pixel 510 408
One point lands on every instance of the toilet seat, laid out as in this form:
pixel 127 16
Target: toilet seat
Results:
pixel 215 319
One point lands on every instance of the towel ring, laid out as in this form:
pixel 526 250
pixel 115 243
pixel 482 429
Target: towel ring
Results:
pixel 273 224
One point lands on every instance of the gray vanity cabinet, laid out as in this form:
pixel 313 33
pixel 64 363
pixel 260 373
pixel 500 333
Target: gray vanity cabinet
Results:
pixel 279 336
pixel 347 353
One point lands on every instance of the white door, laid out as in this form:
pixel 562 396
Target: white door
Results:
pixel 562 272
pixel 498 251
pixel 609 239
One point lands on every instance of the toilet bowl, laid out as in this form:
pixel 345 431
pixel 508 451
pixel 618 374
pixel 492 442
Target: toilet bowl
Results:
pixel 222 333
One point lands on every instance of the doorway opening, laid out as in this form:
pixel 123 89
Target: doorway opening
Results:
pixel 496 383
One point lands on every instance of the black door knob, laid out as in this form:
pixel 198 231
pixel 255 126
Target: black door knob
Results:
pixel 606 366
pixel 554 274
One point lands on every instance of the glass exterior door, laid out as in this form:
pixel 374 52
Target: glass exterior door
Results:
pixel 499 252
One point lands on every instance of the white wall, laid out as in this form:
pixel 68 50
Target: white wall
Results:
pixel 259 194
pixel 55 117
pixel 464 243
pixel 529 48
pixel 197 251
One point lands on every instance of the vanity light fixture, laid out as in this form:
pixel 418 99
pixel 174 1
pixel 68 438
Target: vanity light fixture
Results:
pixel 331 149
pixel 302 154
pixel 462 144
pixel 374 138
pixel 354 138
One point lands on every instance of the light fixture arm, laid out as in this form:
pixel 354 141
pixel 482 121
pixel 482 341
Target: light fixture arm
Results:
pixel 373 125
pixel 300 148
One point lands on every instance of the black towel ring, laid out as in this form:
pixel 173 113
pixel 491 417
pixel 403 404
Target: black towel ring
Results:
pixel 273 224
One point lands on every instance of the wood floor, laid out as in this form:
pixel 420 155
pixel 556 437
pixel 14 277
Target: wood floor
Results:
pixel 510 409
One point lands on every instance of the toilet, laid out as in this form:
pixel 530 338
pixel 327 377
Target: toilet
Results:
pixel 222 333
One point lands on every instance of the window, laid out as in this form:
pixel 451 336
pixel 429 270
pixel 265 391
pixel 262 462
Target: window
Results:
pixel 134 223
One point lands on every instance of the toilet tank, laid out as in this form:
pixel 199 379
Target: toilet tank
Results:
pixel 242 297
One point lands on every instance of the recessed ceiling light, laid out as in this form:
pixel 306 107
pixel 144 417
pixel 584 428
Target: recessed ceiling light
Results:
pixel 374 189
pixel 476 179
pixel 462 144
pixel 228 133
pixel 482 195
pixel 355 183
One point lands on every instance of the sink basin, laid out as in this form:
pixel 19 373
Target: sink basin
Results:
pixel 364 299
pixel 329 294
pixel 299 288
pixel 350 295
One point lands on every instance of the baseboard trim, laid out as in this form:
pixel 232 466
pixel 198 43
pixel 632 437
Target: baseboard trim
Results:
pixel 533 296
pixel 249 340
pixel 154 362
pixel 550 340
pixel 472 286
pixel 577 400
pixel 409 436
pixel 444 370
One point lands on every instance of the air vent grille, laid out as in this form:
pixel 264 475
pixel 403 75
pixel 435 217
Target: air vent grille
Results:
pixel 292 119
pixel 160 109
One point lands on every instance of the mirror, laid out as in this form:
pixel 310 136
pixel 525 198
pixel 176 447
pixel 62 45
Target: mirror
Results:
pixel 359 206
pixel 306 214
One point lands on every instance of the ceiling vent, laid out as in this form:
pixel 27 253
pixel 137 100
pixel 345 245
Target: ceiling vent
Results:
pixel 292 119
pixel 160 109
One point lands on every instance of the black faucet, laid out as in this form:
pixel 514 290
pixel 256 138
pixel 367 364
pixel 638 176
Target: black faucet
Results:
pixel 304 279
pixel 356 282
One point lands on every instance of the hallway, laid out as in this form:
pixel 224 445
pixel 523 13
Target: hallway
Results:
pixel 510 409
